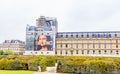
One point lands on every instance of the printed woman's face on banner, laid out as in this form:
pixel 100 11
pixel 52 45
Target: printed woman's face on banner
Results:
pixel 44 43
pixel 42 40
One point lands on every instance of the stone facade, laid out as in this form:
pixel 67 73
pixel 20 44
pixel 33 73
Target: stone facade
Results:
pixel 17 46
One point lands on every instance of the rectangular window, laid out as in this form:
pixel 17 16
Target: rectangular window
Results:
pixel 56 46
pixel 76 45
pixel 71 52
pixel 93 51
pixel 99 51
pixel 61 52
pixel 116 43
pixel 98 35
pixel 82 36
pixel 60 45
pixel 82 51
pixel 110 35
pixel 87 36
pixel 88 44
pixel 71 36
pixel 116 46
pixel 71 45
pixel 66 45
pixel 93 45
pixel 82 45
pixel 115 35
pixel 105 51
pixel 66 36
pixel 110 44
pixel 98 43
pixel 66 52
pixel 111 52
pixel 88 51
pixel 76 51
pixel 105 44
pixel 55 52
pixel 117 52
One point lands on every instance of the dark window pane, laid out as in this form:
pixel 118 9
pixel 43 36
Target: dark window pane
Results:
pixel 98 35
pixel 76 36
pixel 66 45
pixel 87 36
pixel 110 35
pixel 66 36
pixel 71 36
pixel 76 51
pixel 82 36
pixel 115 35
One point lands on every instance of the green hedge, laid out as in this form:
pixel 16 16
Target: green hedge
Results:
pixel 12 62
pixel 66 64
pixel 89 65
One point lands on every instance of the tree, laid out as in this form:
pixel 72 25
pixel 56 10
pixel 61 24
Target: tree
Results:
pixel 1 52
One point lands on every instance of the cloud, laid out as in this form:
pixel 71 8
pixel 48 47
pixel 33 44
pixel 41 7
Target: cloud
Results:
pixel 72 15
pixel 93 15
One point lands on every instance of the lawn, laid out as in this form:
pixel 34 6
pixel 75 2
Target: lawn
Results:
pixel 16 72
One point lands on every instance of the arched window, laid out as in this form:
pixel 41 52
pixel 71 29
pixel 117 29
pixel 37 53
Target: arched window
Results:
pixel 76 36
pixel 71 36
pixel 82 36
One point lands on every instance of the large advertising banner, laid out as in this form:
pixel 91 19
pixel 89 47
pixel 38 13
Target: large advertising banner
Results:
pixel 46 25
pixel 44 43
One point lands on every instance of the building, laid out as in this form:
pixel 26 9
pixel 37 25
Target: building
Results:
pixel 88 43
pixel 17 46
pixel 40 39
pixel 69 43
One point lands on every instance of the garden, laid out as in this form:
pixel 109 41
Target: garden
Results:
pixel 65 64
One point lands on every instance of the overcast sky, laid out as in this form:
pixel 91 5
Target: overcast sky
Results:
pixel 72 15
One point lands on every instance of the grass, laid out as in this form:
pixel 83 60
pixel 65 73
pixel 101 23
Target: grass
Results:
pixel 16 72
